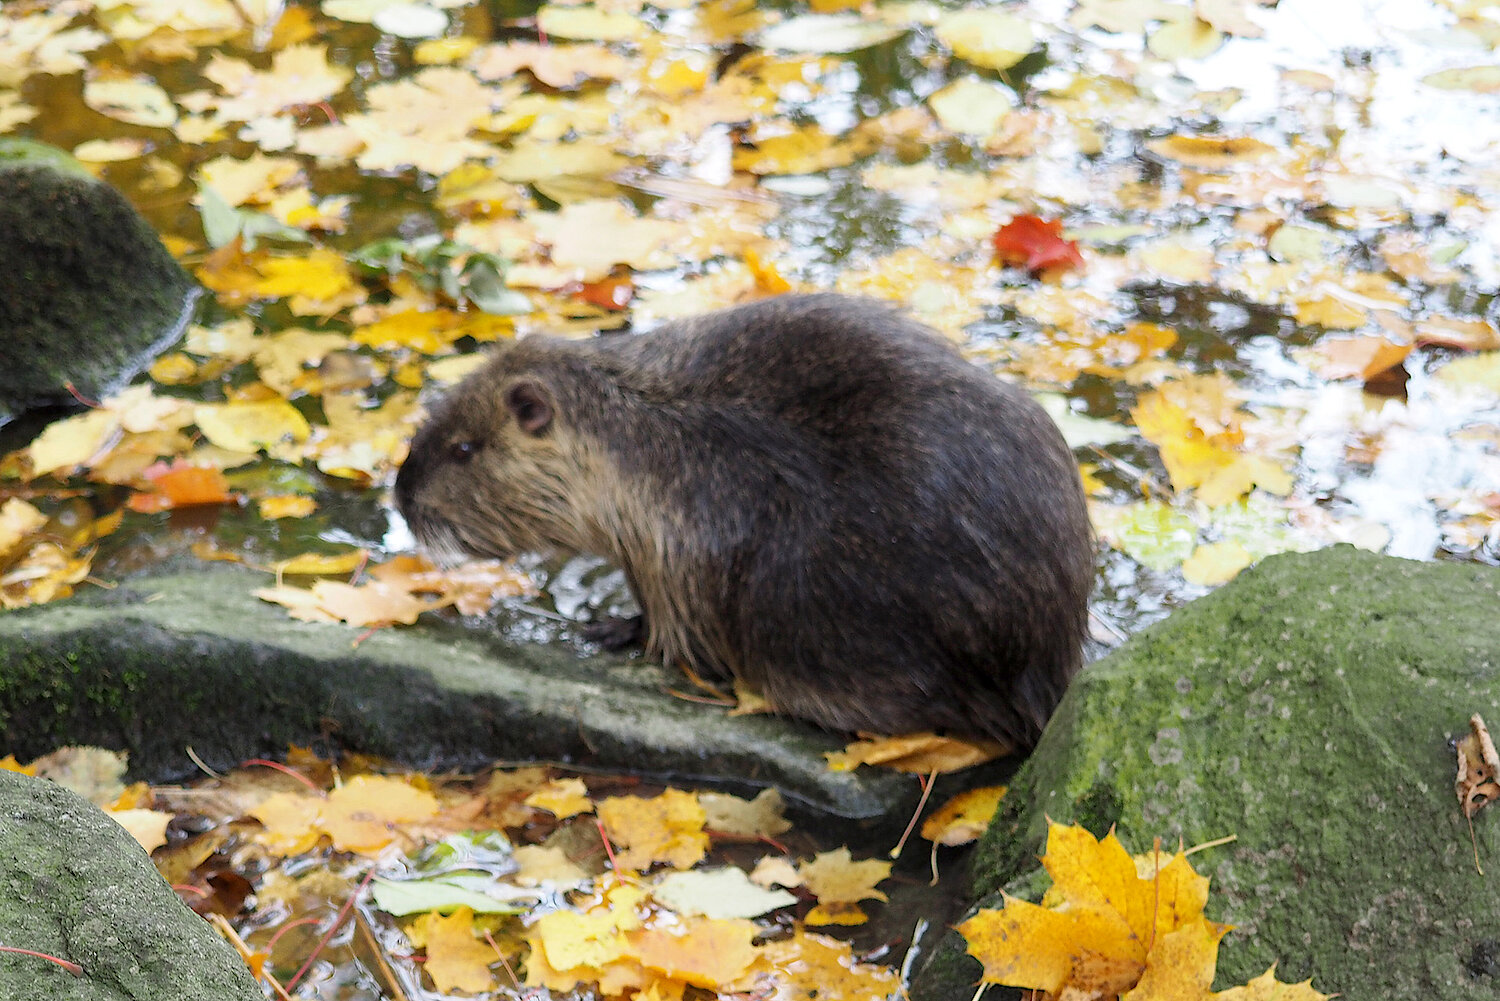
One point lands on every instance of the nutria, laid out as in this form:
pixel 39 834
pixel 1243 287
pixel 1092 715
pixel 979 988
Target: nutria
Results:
pixel 812 493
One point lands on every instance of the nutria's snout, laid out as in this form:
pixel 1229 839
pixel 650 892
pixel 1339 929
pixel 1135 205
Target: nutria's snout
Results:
pixel 812 494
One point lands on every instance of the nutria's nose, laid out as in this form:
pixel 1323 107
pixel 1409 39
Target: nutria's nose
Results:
pixel 407 478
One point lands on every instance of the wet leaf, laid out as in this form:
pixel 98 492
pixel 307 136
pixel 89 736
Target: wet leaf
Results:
pixel 918 753
pixel 836 878
pixel 827 33
pixel 666 828
pixel 993 39
pixel 718 893
pixel 964 817
pixel 444 895
pixel 1481 79
pixel 456 959
pixel 1036 244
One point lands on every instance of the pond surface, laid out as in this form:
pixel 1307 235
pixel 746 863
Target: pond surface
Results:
pixel 1266 200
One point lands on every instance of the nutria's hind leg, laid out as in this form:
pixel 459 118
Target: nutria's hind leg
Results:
pixel 617 632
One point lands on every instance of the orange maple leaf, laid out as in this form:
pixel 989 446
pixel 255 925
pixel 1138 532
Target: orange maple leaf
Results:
pixel 1036 244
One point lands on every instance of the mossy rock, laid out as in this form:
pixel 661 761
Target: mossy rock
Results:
pixel 1308 709
pixel 184 659
pixel 88 294
pixel 74 885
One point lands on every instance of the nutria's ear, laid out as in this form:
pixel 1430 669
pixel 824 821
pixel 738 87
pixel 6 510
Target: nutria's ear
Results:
pixel 530 405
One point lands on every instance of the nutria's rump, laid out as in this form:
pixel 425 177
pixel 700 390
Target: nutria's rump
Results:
pixel 812 493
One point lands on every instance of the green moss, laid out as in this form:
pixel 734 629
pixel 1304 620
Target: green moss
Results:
pixel 1307 710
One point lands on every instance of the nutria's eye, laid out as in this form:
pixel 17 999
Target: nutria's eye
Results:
pixel 462 451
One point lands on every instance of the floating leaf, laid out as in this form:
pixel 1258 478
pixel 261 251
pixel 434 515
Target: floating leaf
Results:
pixel 827 33
pixel 134 100
pixel 442 894
pixel 249 427
pixel 1480 79
pixel 718 893
pixel 1036 244
pixel 989 38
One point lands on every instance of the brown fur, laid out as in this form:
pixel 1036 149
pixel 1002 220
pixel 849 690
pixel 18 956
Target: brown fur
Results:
pixel 812 493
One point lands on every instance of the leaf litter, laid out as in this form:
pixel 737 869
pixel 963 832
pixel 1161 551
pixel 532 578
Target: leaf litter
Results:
pixel 1285 307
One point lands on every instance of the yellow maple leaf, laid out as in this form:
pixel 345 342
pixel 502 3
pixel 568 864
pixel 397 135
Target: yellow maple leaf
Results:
pixel 917 753
pixel 841 913
pixel 591 237
pixel 1025 945
pixel 760 817
pixel 374 603
pixel 290 822
pixel 321 564
pixel 10 764
pixel 72 442
pixel 1216 563
pixel 964 817
pixel 559 66
pixel 1103 925
pixel 364 814
pixel 286 506
pixel 456 959
pixel 562 798
pixel 1356 357
pixel 809 967
pixel 1180 965
pixel 1211 152
pixel 541 865
pixel 18 519
pixel 250 426
pixel 666 828
pixel 1267 988
pixel 834 877
pixel 148 827
pixel 707 952
pixel 1236 478
pixel 252 180
pixel 299 75
pixel 804 150
pixel 570 947
pixel 319 281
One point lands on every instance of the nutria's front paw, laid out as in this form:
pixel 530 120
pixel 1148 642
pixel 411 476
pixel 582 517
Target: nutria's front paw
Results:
pixel 617 633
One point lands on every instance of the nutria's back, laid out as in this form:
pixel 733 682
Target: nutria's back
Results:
pixel 812 493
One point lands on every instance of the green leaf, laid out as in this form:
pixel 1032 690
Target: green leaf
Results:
pixel 445 895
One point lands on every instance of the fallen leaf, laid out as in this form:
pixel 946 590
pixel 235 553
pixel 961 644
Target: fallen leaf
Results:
pixel 181 484
pixel 1216 563
pixel 562 798
pixel 1478 781
pixel 365 814
pixel 666 828
pixel 148 827
pixel 1211 152
pixel 964 817
pixel 834 877
pixel 917 753
pixel 761 817
pixel 1036 244
pixel 1267 988
pixel 546 865
pixel 718 893
pixel 456 959
pixel 706 953
pixel 993 39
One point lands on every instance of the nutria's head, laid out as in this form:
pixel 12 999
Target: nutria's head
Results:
pixel 496 469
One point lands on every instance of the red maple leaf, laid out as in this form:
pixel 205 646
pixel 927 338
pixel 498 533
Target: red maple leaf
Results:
pixel 1036 244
